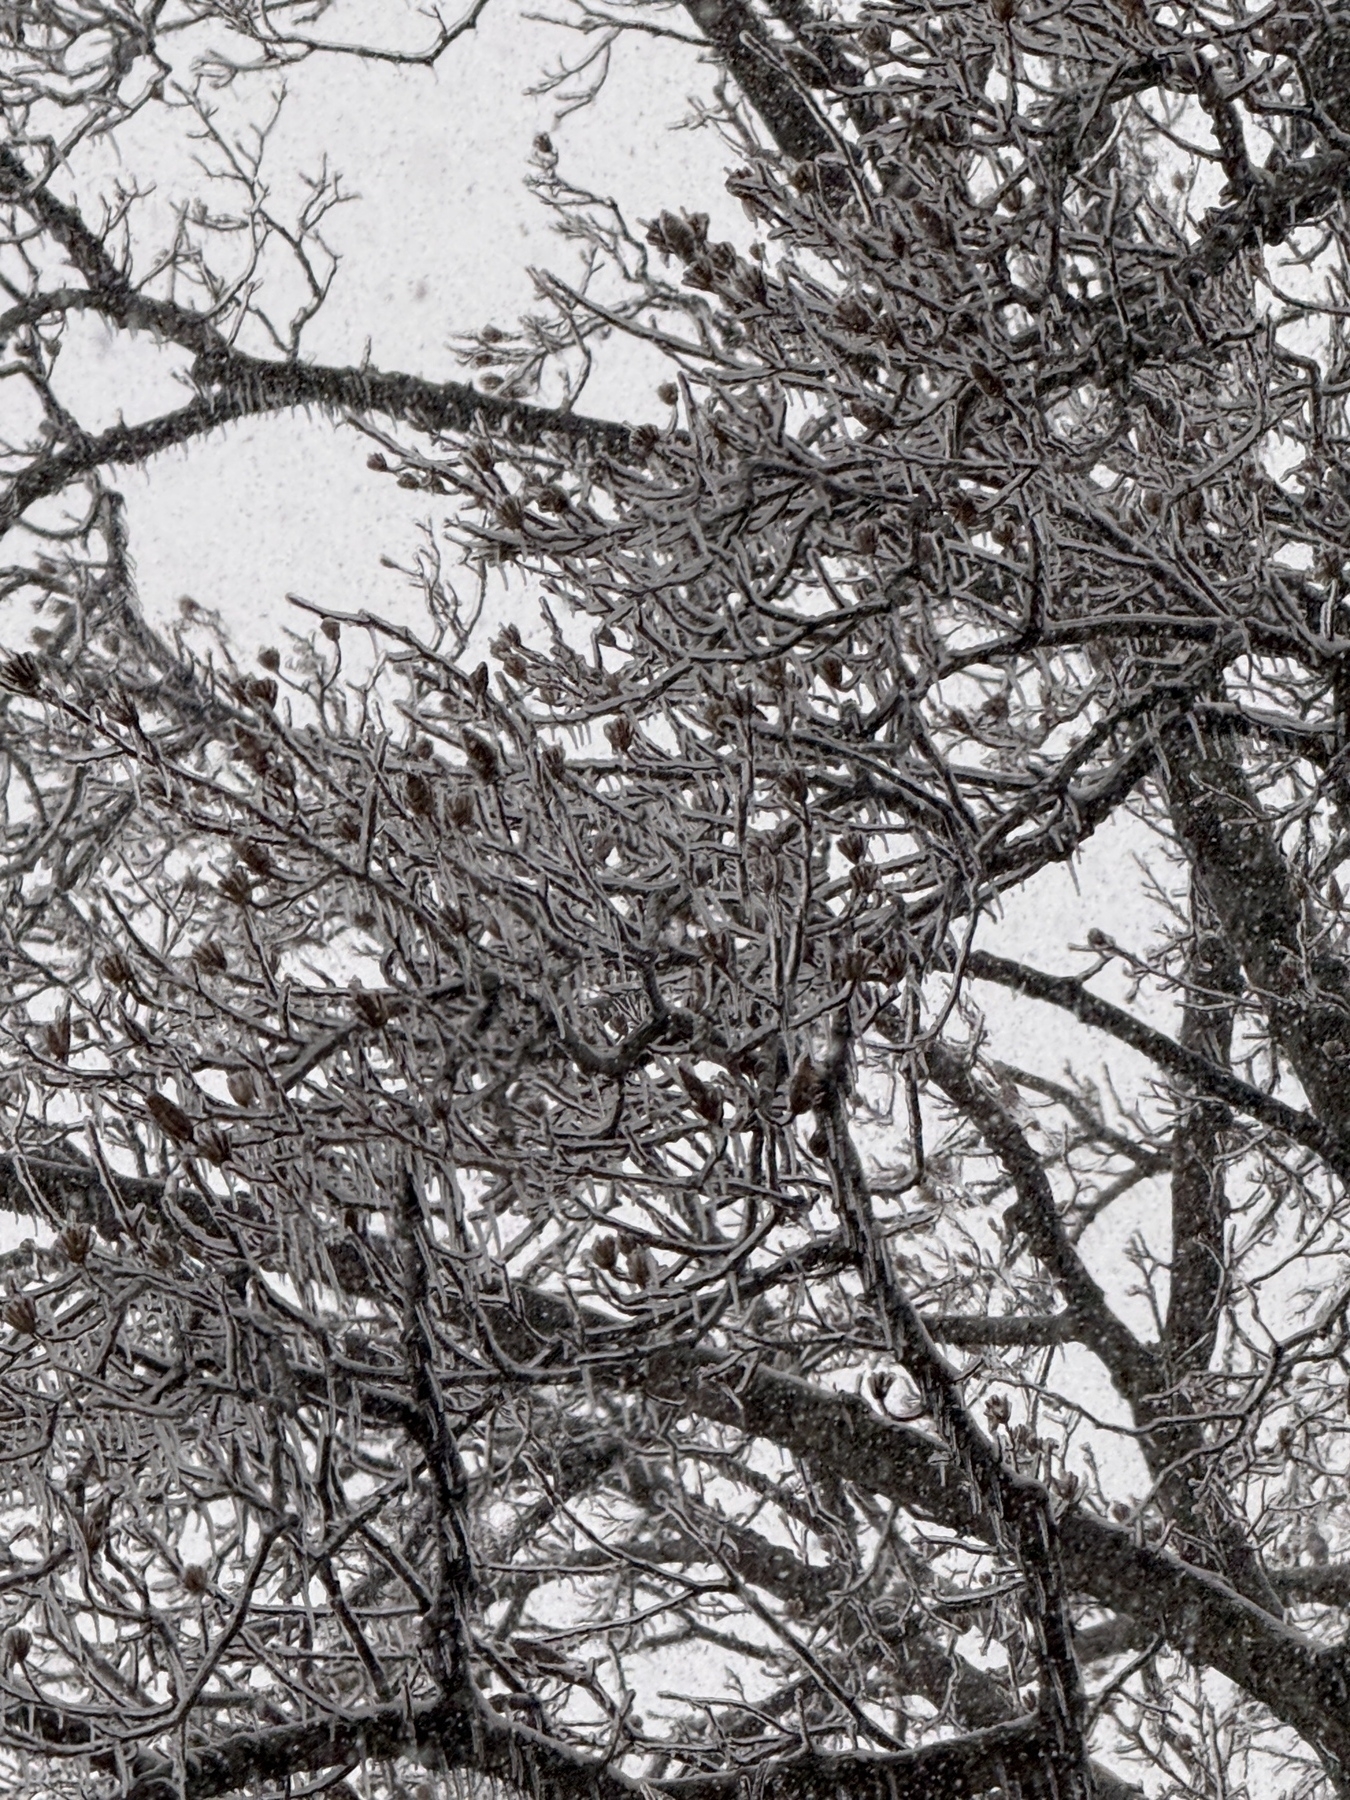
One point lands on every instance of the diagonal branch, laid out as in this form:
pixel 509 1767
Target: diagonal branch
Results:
pixel 1130 1363
pixel 1207 1077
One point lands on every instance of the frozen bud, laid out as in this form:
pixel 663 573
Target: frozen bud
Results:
pixel 243 1090
pixel 373 1008
pixel 832 669
pixel 75 1242
pixel 170 1118
pixel 195 1578
pixel 270 658
pixel 94 1523
pixel 116 970
pixel 644 439
pixel 707 1102
pixel 210 958
pixel 56 1037
pixel 641 1266
pixel 482 757
pixel 331 630
pixel 805 1088
pixel 997 1410
pixel 22 674
pixel 543 145
pixel 215 1145
pixel 253 855
pixel 420 796
pixel 376 462
pixel 18 1642
pixel 236 887
pixel 21 1314
pixel 668 393
pixel 605 1255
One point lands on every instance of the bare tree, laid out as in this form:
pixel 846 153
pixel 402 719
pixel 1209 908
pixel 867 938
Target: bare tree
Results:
pixel 542 1274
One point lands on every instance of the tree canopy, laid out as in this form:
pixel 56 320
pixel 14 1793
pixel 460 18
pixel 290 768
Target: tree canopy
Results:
pixel 564 1252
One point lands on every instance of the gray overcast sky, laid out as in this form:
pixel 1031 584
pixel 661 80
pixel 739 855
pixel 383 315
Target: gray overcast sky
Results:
pixel 439 240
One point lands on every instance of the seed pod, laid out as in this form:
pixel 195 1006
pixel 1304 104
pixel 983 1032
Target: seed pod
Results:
pixel 997 1410
pixel 644 439
pixel 853 315
pixel 270 659
pixel 56 1036
pixel 22 674
pixel 94 1523
pixel 215 1145
pixel 620 733
pixel 18 1642
pixel 243 1090
pixel 641 1266
pixel 331 630
pixel 853 845
pixel 605 1255
pixel 76 1242
pixel 22 1315
pixel 482 757
pixel 253 855
pixel 195 1579
pixel 673 236
pixel 170 1118
pixel 420 796
pixel 210 958
pixel 990 382
pixel 116 970
pixel 373 1008
pixel 236 887
pixel 805 1089
pixel 833 670
pixel 703 1097
pixel 879 1383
